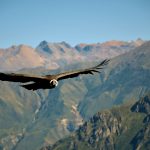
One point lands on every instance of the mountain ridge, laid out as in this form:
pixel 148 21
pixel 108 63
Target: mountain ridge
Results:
pixel 45 116
pixel 56 55
pixel 111 129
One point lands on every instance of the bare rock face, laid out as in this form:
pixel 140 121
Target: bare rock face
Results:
pixel 50 115
pixel 142 106
pixel 142 139
pixel 147 119
pixel 118 128
pixel 100 130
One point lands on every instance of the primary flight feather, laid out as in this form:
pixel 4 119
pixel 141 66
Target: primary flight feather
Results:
pixel 48 81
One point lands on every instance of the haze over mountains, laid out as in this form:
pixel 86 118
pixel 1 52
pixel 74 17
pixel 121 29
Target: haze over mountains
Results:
pixel 45 116
pixel 55 55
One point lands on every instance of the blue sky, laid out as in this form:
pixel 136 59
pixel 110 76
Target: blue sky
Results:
pixel 74 21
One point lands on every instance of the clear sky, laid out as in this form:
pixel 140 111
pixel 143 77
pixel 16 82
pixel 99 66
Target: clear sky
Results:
pixel 74 21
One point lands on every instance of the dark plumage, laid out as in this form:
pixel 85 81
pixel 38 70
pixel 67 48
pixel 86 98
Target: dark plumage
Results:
pixel 48 81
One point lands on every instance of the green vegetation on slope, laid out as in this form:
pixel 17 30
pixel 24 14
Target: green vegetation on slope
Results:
pixel 118 128
pixel 45 116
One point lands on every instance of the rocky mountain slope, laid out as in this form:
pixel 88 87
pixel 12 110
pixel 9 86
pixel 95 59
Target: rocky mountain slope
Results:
pixel 121 127
pixel 126 77
pixel 45 116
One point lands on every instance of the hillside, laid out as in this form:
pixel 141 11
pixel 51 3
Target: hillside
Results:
pixel 125 78
pixel 45 116
pixel 121 127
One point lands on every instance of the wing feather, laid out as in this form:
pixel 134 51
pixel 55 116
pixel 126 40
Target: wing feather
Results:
pixel 72 74
pixel 13 77
pixel 20 77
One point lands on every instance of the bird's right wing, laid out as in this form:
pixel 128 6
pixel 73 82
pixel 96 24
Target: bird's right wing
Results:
pixel 72 74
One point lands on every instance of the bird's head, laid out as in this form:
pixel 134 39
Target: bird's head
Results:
pixel 54 82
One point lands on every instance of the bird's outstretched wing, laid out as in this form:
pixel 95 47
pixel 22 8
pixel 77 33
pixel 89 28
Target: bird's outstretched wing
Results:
pixel 20 77
pixel 13 77
pixel 71 74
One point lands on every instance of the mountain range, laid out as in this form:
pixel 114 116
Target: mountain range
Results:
pixel 45 116
pixel 56 55
pixel 122 127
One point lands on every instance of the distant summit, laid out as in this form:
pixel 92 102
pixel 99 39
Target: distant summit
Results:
pixel 46 116
pixel 44 47
pixel 54 55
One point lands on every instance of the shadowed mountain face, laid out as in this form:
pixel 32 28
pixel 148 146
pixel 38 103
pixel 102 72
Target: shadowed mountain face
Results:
pixel 117 128
pixel 142 106
pixel 44 116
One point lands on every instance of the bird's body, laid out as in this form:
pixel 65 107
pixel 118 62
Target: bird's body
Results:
pixel 41 85
pixel 48 81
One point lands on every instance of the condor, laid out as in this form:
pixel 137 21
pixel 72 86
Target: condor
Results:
pixel 48 81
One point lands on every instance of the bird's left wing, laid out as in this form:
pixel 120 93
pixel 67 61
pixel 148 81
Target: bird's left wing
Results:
pixel 13 77
pixel 72 74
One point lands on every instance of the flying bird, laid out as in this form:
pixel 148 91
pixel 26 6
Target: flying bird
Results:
pixel 48 81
